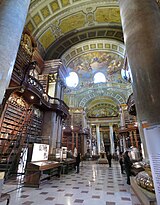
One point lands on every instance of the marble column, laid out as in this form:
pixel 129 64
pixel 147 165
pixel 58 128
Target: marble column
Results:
pixel 124 142
pixel 112 146
pixel 12 20
pixel 59 132
pixel 143 49
pixel 49 130
pixel 122 119
pixel 85 144
pixel 98 139
pixel 121 144
pixel 122 126
pixel 84 121
pixel 141 27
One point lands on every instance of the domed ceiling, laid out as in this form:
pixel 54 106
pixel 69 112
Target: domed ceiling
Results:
pixel 87 36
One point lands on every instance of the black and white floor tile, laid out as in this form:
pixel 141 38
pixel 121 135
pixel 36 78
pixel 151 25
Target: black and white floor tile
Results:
pixel 95 184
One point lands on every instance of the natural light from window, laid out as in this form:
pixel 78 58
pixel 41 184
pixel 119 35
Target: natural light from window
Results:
pixel 99 78
pixel 72 80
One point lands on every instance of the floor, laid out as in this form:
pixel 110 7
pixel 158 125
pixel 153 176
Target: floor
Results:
pixel 96 184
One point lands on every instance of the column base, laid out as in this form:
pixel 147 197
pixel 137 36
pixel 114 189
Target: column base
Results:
pixel 103 158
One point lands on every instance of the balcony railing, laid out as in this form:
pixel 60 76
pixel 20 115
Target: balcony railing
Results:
pixel 34 86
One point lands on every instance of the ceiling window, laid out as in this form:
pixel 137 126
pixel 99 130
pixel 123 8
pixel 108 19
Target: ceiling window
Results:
pixel 72 80
pixel 99 78
pixel 126 75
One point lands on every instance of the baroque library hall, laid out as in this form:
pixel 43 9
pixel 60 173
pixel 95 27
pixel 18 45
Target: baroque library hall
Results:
pixel 79 120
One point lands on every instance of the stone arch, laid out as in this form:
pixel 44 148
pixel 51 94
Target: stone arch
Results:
pixel 110 94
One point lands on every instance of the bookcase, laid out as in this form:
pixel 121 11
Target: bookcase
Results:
pixel 35 126
pixel 20 124
pixel 67 141
pixel 13 118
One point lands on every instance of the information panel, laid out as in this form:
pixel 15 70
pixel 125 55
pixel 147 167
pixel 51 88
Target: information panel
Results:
pixel 40 152
pixel 152 136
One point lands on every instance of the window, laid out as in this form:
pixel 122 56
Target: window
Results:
pixel 126 75
pixel 99 78
pixel 72 80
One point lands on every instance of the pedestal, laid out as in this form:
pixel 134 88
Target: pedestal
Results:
pixel 103 158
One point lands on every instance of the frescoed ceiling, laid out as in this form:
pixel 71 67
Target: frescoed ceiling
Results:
pixel 87 36
pixel 88 58
pixel 90 63
pixel 105 108
pixel 59 24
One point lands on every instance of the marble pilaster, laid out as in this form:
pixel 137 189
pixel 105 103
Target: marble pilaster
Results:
pixel 50 129
pixel 112 146
pixel 98 139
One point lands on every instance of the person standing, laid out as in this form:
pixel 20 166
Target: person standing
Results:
pixel 127 165
pixel 109 157
pixel 78 160
pixel 121 162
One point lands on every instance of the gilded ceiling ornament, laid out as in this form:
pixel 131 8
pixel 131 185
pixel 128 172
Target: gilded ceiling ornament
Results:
pixel 90 19
pixel 56 30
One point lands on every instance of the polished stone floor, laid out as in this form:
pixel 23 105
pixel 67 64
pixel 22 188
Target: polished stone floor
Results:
pixel 96 184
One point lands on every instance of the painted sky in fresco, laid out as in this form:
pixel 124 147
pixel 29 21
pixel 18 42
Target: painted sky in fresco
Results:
pixel 87 65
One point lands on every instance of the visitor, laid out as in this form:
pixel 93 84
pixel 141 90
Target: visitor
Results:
pixel 121 162
pixel 78 160
pixel 127 165
pixel 109 157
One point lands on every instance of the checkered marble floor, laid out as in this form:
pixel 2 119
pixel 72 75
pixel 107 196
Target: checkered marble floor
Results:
pixel 96 184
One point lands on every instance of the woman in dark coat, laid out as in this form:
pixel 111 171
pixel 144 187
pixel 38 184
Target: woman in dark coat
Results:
pixel 78 160
pixel 109 157
pixel 127 165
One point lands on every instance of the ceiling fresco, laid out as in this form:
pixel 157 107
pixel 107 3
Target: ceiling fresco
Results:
pixel 102 109
pixel 50 20
pixel 88 64
pixel 86 59
pixel 92 56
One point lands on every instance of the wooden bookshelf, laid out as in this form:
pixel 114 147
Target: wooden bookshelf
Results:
pixel 35 127
pixel 20 124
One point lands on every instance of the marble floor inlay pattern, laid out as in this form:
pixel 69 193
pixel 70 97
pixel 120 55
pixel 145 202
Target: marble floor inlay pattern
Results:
pixel 95 184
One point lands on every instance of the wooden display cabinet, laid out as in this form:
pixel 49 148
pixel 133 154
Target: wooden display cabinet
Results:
pixel 38 171
pixel 68 165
